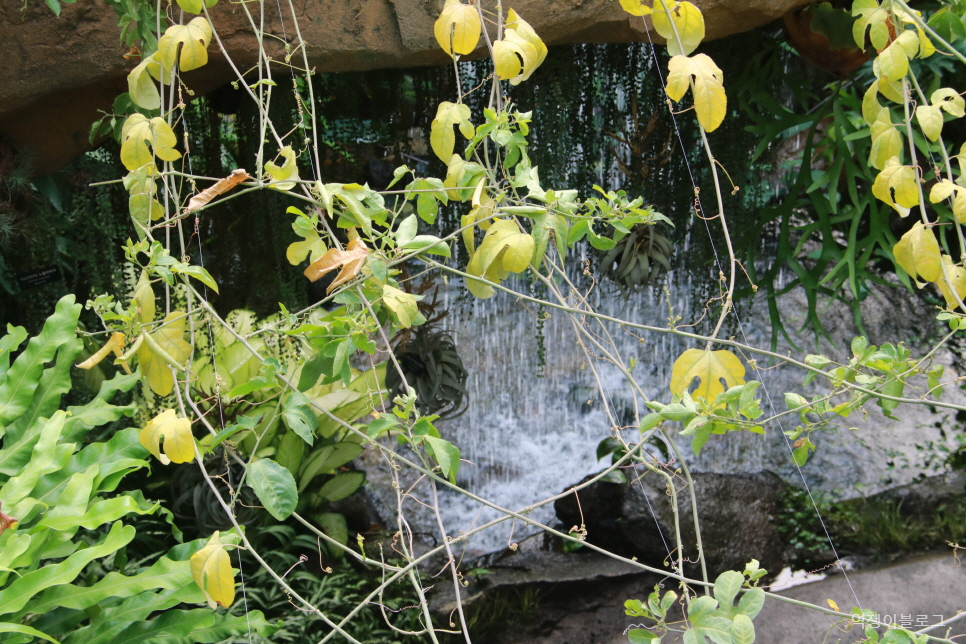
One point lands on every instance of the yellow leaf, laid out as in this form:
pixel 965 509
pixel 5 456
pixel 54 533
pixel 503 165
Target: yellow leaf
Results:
pixel 141 86
pixel 930 119
pixel 311 246
pixel 833 605
pixel 894 59
pixel 950 101
pixel 283 176
pixel 886 141
pixel 196 6
pixel 349 260
pixel 891 89
pixel 144 210
pixel 139 132
pixel 873 17
pixel 918 254
pixel 896 186
pixel 926 48
pixel 170 338
pixel 523 29
pixel 504 250
pixel 710 101
pixel 204 197
pixel 441 136
pixel 169 433
pixel 508 60
pixel 192 39
pixel 115 344
pixel 144 297
pixel 710 367
pixel 870 104
pixel 635 7
pixel 957 276
pixel 689 23
pixel 211 569
pixel 402 304
pixel 458 28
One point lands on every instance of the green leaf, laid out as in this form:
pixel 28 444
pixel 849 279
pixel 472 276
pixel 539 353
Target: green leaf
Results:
pixel 165 574
pixel 751 602
pixel 298 416
pixel 283 176
pixel 342 486
pixel 274 486
pixel 6 627
pixel 446 454
pixel 742 630
pixel 199 273
pixel 641 636
pixel 15 596
pixel 726 587
pixel 23 377
pixel 427 244
pixel 334 525
pixel 327 459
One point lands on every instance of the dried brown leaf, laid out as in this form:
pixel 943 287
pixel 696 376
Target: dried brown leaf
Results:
pixel 349 260
pixel 220 188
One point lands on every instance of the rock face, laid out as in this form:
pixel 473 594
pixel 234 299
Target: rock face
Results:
pixel 59 71
pixel 737 513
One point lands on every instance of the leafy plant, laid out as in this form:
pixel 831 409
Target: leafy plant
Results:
pixel 63 512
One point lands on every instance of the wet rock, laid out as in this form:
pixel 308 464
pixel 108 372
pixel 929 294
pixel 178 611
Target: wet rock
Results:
pixel 737 513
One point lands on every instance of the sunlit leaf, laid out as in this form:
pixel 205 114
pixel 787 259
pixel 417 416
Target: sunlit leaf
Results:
pixel 458 28
pixel 311 246
pixel 949 100
pixel 918 254
pixel 886 141
pixel 523 39
pixel 710 367
pixel 211 569
pixel 145 298
pixel 870 104
pixel 871 18
pixel 635 7
pixel 402 304
pixel 138 133
pixel 171 434
pixel 170 338
pixel 204 197
pixel 896 185
pixel 196 6
pixel 115 344
pixel 283 176
pixel 944 189
pixel 141 87
pixel 688 25
pixel 894 59
pixel 350 262
pixel 441 136
pixel 191 39
pixel 505 249
pixel 710 101
pixel 930 119
pixel 957 277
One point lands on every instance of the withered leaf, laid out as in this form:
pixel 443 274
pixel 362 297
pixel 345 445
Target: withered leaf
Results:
pixel 349 260
pixel 204 197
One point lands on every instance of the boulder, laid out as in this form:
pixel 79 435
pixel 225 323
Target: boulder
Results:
pixel 738 515
pixel 60 71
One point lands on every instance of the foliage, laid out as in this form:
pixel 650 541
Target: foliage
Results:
pixel 63 512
